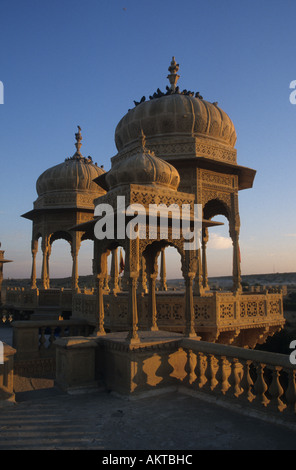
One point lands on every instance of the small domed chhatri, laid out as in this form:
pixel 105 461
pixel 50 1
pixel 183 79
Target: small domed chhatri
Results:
pixel 75 173
pixel 66 194
pixel 143 167
pixel 175 115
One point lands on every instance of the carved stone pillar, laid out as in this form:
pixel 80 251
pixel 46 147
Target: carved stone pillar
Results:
pixel 236 269
pixel 106 281
pixel 100 316
pixel 47 261
pixel 133 336
pixel 152 272
pixel 152 310
pixel 114 272
pixel 33 273
pixel 132 271
pixel 142 284
pixel 99 269
pixel 74 252
pixel 163 283
pixel 205 239
pixel 189 307
pixel 44 273
pixel 198 281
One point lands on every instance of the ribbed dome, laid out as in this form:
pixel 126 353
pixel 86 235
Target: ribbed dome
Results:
pixel 71 175
pixel 175 114
pixel 75 173
pixel 143 168
pixel 172 115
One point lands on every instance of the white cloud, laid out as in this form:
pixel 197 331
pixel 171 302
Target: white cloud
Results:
pixel 217 242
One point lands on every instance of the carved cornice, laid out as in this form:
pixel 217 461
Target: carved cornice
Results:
pixel 175 147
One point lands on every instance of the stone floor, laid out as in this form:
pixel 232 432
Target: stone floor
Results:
pixel 50 419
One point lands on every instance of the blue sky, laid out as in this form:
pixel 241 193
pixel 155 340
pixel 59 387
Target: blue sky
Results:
pixel 69 62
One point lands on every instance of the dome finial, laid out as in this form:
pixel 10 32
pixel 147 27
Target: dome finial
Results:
pixel 78 141
pixel 173 76
pixel 143 140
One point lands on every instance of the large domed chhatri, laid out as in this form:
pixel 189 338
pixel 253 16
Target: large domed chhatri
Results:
pixel 178 117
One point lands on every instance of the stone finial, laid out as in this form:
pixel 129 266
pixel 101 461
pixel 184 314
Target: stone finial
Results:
pixel 144 149
pixel 173 76
pixel 143 141
pixel 78 144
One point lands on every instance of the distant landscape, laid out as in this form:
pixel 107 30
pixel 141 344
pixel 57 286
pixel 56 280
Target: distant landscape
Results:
pixel 224 282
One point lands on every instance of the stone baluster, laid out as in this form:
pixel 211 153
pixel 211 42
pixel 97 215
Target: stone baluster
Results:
pixel 247 383
pixel 201 366
pixel 222 376
pixel 291 390
pixel 42 339
pixel 276 390
pixel 260 386
pixel 52 337
pixel 192 362
pixel 211 372
pixel 234 378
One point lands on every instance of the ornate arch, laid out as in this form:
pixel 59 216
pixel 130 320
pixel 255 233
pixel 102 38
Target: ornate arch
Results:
pixel 60 235
pixel 217 206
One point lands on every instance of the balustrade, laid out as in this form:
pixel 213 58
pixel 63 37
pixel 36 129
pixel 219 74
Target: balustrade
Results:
pixel 264 380
pixel 35 339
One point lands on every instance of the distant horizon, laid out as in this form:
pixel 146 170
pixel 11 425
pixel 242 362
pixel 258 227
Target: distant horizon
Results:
pixel 168 279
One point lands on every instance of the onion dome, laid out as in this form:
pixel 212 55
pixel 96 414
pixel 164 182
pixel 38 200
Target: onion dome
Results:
pixel 74 174
pixel 143 167
pixel 175 115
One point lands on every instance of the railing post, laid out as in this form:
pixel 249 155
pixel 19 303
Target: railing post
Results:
pixel 247 383
pixel 291 391
pixel 192 362
pixel 222 375
pixel 211 373
pixel 201 369
pixel 276 390
pixel 260 386
pixel 234 378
